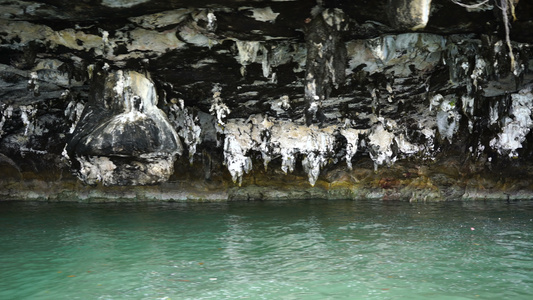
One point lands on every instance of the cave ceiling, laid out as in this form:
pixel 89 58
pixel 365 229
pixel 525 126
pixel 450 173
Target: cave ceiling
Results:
pixel 387 79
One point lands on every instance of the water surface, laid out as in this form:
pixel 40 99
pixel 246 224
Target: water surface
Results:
pixel 274 250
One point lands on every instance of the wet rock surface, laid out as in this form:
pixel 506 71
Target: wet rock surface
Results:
pixel 247 100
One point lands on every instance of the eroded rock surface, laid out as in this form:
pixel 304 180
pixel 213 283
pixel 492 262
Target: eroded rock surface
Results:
pixel 122 137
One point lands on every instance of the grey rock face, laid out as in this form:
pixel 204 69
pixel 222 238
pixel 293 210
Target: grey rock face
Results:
pixel 122 138
pixel 409 14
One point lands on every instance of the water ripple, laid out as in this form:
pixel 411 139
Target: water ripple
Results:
pixel 296 250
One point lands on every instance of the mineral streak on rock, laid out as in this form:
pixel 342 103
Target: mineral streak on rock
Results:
pixel 517 125
pixel 122 137
pixel 409 14
pixel 122 3
pixel 187 126
pixel 7 112
pixel 218 108
pixel 326 59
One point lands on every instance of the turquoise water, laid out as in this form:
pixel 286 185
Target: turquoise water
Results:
pixel 276 250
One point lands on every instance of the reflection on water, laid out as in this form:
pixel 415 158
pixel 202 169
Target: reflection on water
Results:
pixel 277 250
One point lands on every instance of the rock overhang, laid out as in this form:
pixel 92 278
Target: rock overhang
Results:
pixel 407 88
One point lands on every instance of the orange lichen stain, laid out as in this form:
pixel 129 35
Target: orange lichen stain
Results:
pixel 388 183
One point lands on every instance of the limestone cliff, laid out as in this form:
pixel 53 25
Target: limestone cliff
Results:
pixel 173 100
